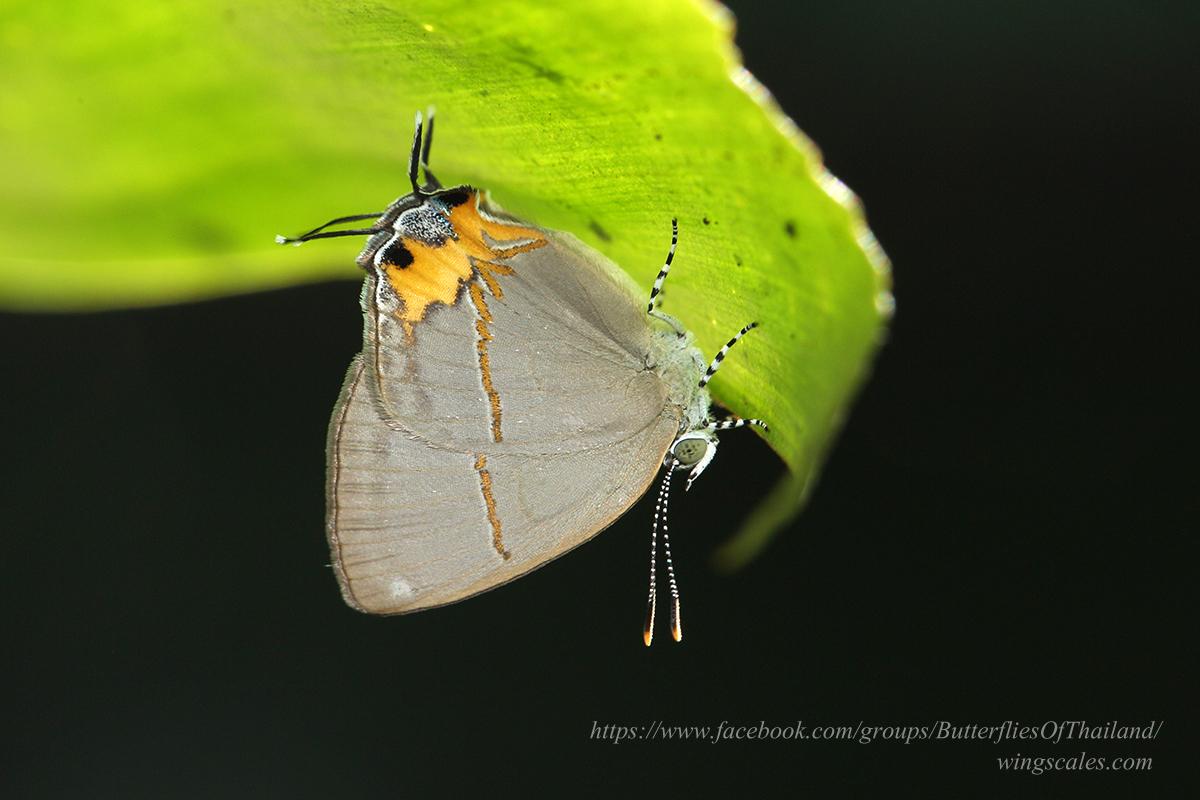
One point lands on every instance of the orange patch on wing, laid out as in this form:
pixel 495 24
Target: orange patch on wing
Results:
pixel 433 277
pixel 438 271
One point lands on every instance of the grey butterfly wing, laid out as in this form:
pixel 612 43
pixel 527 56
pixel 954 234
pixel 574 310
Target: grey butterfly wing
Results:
pixel 553 349
pixel 412 525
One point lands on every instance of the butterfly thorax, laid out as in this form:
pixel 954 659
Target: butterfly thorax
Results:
pixel 675 357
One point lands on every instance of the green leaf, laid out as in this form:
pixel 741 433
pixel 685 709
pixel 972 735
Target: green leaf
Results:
pixel 151 152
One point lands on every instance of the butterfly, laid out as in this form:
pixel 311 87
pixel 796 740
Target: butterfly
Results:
pixel 513 398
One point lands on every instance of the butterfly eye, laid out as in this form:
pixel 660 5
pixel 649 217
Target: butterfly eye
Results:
pixel 689 451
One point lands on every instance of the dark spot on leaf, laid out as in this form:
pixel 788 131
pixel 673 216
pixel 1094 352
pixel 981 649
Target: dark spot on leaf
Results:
pixel 658 137
pixel 397 255
pixel 554 76
pixel 205 234
pixel 525 53
pixel 789 228
pixel 600 232
pixel 737 259
pixel 706 221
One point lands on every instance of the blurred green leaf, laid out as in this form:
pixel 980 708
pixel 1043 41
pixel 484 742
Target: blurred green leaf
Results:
pixel 151 152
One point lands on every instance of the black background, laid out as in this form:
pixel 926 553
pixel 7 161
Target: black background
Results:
pixel 993 537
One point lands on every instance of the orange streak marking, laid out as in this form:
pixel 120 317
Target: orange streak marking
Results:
pixel 488 270
pixel 485 365
pixel 485 484
pixel 480 303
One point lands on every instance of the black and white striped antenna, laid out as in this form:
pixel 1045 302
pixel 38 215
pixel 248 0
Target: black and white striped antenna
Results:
pixel 660 516
pixel 662 273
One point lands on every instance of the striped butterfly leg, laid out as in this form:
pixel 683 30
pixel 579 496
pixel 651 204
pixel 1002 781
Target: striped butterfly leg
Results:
pixel 716 362
pixel 725 424
pixel 736 422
